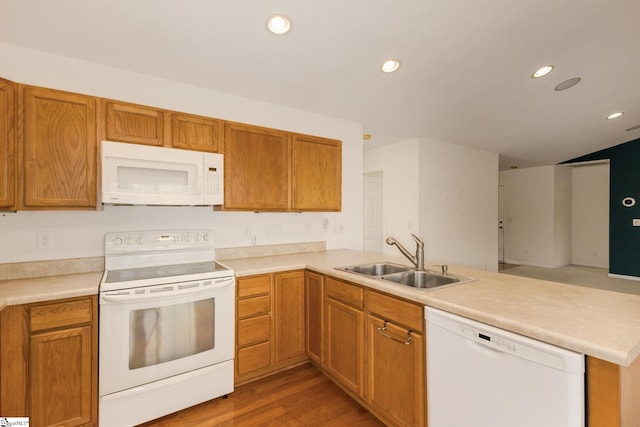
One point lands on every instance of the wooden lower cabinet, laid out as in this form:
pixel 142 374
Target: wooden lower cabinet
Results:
pixel 61 377
pixel 373 348
pixel 395 381
pixel 269 324
pixel 289 316
pixel 613 393
pixel 49 371
pixel 344 340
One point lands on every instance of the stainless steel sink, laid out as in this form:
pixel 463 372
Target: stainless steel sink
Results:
pixel 420 279
pixel 407 276
pixel 375 269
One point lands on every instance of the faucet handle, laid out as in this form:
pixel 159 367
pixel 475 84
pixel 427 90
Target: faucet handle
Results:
pixel 418 241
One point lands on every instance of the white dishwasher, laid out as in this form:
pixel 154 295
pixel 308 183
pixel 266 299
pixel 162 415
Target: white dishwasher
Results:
pixel 482 376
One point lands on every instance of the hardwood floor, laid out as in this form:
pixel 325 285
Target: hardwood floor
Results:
pixel 301 396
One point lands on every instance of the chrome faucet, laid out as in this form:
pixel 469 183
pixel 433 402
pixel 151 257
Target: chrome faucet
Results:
pixel 418 258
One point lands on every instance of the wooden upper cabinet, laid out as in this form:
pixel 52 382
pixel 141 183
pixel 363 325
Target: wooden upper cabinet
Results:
pixel 59 143
pixel 7 145
pixel 196 133
pixel 137 124
pixel 317 173
pixel 256 168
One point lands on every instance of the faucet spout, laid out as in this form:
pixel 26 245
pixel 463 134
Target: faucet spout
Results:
pixel 418 258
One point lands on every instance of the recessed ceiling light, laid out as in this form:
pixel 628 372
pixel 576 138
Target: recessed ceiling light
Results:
pixel 542 71
pixel 366 136
pixel 390 65
pixel 279 24
pixel 615 115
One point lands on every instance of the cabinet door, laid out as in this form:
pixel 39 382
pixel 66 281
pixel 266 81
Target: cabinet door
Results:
pixel 61 390
pixel 344 355
pixel 316 173
pixel 289 314
pixel 59 149
pixel 7 145
pixel 133 123
pixel 256 168
pixel 196 133
pixel 314 316
pixel 395 374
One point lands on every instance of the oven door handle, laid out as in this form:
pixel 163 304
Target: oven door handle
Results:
pixel 170 292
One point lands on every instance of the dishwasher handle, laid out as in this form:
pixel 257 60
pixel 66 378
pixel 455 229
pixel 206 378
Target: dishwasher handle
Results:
pixel 384 332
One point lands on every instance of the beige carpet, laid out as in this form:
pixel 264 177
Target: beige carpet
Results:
pixel 577 275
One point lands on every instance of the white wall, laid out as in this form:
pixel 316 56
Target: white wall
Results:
pixel 399 166
pixel 444 193
pixel 80 234
pixel 537 216
pixel 459 204
pixel 590 215
pixel 562 216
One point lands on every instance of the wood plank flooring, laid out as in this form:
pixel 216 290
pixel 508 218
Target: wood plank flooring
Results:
pixel 301 396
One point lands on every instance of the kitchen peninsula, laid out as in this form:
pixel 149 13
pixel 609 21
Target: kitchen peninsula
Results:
pixel 601 324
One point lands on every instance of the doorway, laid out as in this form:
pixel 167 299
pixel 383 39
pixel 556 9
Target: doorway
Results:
pixel 373 212
pixel 501 224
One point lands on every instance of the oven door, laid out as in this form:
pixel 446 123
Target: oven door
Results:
pixel 155 332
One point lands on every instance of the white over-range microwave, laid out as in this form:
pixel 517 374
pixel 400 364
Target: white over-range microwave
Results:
pixel 135 174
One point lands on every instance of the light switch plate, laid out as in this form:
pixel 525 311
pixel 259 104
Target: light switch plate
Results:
pixel 636 222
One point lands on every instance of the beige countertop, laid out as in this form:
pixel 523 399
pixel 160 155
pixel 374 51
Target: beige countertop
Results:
pixel 23 291
pixel 599 323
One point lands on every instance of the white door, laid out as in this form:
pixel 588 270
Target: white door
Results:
pixel 373 230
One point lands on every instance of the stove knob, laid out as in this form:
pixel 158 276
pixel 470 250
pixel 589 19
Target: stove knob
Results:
pixel 117 241
pixel 205 237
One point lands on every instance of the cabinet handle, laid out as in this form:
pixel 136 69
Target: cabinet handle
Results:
pixel 383 331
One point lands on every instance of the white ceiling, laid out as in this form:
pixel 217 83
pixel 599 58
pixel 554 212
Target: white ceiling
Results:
pixel 465 75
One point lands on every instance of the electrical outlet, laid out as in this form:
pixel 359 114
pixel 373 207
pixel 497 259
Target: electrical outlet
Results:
pixel 44 240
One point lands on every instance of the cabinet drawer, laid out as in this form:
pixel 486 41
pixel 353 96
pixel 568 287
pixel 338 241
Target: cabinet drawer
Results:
pixel 253 357
pixel 254 330
pixel 254 306
pixel 344 292
pixel 248 286
pixel 61 314
pixel 396 310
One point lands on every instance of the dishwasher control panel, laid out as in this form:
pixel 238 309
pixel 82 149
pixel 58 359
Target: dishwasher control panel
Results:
pixel 500 340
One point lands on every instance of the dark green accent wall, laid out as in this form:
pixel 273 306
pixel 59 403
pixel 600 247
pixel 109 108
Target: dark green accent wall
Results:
pixel 624 238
